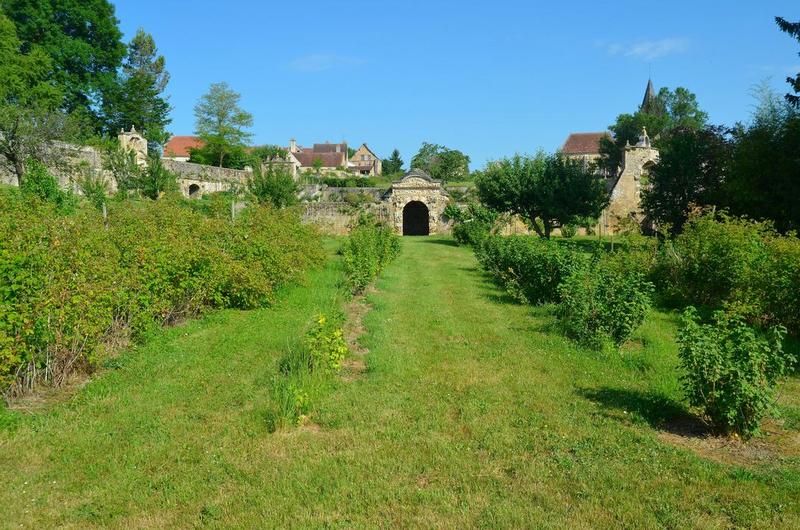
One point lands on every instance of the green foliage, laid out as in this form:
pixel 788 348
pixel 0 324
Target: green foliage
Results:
pixel 69 285
pixel 136 98
pixel 667 111
pixel 471 224
pixel 441 162
pixel 793 30
pixel 222 126
pixel 730 370
pixel 551 188
pixel 366 251
pixel 83 39
pixel 94 188
pixel 392 165
pixel 349 182
pixel 273 184
pixel 326 345
pixel 122 165
pixel 530 269
pixel 605 301
pixel 726 262
pixel 155 179
pixel 39 184
pixel 569 230
pixel 691 171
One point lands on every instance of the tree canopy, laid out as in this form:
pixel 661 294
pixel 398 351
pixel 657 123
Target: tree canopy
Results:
pixel 222 125
pixel 137 99
pixel 393 164
pixel 83 40
pixel 793 30
pixel 551 189
pixel 441 162
pixel 667 111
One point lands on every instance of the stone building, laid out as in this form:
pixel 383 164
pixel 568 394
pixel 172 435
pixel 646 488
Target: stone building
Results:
pixel 417 204
pixel 584 146
pixel 365 162
pixel 330 157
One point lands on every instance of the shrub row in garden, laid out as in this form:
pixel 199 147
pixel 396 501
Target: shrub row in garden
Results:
pixel 366 251
pixel 72 283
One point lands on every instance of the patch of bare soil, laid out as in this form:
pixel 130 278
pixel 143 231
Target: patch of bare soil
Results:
pixel 355 310
pixel 775 442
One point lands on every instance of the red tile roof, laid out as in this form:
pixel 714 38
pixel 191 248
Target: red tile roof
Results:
pixel 583 143
pixel 180 145
pixel 330 148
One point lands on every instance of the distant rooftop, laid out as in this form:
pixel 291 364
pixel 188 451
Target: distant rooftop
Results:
pixel 583 143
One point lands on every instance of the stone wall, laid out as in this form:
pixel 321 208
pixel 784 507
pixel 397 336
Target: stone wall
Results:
pixel 195 180
pixel 418 186
pixel 337 218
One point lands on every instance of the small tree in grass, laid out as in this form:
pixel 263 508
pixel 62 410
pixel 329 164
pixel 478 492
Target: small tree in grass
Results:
pixel 546 190
pixel 730 370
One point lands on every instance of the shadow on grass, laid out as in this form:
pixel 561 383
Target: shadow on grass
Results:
pixel 446 242
pixel 661 412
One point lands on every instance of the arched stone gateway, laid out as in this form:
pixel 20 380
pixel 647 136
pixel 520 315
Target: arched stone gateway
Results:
pixel 194 191
pixel 414 197
pixel 416 221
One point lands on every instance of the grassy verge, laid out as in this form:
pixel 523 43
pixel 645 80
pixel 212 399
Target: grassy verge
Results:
pixel 472 412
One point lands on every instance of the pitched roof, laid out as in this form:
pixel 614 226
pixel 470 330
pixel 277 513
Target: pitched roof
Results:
pixel 307 158
pixel 649 99
pixel 370 151
pixel 330 148
pixel 583 143
pixel 180 145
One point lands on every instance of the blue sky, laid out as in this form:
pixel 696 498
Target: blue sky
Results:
pixel 489 78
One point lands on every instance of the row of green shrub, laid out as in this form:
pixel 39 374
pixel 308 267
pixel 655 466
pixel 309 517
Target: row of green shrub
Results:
pixel 741 273
pixel 349 182
pixel 601 297
pixel 369 248
pixel 71 284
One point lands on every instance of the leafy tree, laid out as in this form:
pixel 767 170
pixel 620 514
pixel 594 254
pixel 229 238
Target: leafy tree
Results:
pixel 39 183
pixel 691 170
pixel 393 164
pixel 273 184
pixel 317 165
pixel 441 162
pixel 268 153
pixel 549 188
pixel 764 181
pixel 83 39
pixel 667 111
pixel 155 179
pixel 122 165
pixel 137 99
pixel 793 30
pixel 350 152
pixel 29 119
pixel 222 125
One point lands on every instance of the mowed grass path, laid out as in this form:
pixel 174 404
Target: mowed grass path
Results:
pixel 473 412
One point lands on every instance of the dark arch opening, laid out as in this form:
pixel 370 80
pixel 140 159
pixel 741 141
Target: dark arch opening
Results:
pixel 194 190
pixel 415 219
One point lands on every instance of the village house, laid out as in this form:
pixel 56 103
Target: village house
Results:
pixel 365 162
pixel 177 148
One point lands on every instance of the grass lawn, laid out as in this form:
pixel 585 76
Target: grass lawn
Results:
pixel 473 412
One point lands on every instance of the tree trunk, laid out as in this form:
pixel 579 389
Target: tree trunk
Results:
pixel 19 169
pixel 548 228
pixel 532 222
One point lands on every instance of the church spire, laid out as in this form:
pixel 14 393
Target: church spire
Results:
pixel 649 100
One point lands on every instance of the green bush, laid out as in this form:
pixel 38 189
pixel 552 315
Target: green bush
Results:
pixel 605 301
pixel 724 262
pixel 472 224
pixel 326 345
pixel 350 182
pixel 273 185
pixel 730 370
pixel 530 268
pixel 69 285
pixel 368 249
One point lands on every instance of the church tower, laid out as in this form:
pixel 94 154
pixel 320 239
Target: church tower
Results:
pixel 650 104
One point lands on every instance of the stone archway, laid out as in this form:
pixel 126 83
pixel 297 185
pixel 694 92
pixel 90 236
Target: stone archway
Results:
pixel 416 219
pixel 194 191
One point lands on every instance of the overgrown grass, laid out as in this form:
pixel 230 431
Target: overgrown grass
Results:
pixel 473 412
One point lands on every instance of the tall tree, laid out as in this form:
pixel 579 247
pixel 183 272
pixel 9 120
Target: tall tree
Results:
pixel 793 30
pixel 221 123
pixel 138 97
pixel 29 118
pixel 441 162
pixel 393 164
pixel 83 39
pixel 549 188
pixel 691 170
pixel 658 114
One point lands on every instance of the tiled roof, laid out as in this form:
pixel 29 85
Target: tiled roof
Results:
pixel 306 159
pixel 180 145
pixel 583 143
pixel 329 148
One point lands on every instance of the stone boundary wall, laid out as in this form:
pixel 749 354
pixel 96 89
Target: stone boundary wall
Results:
pixel 337 218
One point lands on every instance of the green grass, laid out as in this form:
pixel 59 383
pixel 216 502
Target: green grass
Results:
pixel 473 412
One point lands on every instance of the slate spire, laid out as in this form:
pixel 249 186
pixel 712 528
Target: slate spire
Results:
pixel 649 102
